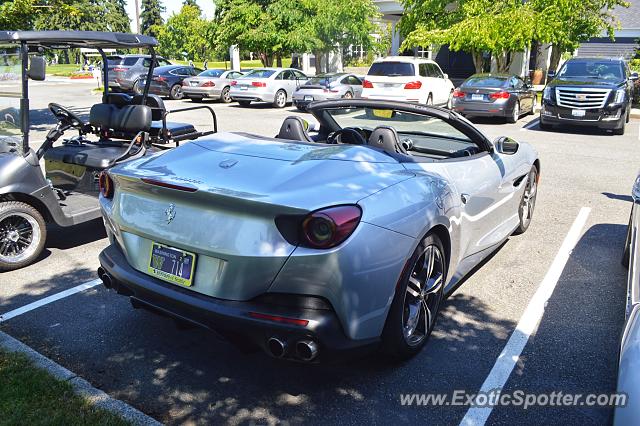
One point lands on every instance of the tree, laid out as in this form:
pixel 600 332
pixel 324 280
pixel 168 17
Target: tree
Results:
pixel 16 14
pixel 190 3
pixel 185 32
pixel 151 17
pixel 116 16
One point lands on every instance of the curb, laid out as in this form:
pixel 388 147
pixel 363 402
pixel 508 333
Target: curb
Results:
pixel 80 385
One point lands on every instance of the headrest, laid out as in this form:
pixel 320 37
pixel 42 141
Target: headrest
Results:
pixel 129 118
pixel 386 138
pixel 295 129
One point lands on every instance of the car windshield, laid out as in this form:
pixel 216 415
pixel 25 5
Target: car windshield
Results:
pixel 10 94
pixel 113 60
pixel 259 74
pixel 488 81
pixel 592 69
pixel 211 73
pixel 323 80
pixel 392 69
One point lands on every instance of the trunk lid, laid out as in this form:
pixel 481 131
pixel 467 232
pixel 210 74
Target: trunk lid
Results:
pixel 240 184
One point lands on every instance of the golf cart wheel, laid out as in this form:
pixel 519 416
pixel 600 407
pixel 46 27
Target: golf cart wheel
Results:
pixel 225 96
pixel 176 92
pixel 22 235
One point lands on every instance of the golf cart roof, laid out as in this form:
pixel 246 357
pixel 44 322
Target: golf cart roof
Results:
pixel 65 39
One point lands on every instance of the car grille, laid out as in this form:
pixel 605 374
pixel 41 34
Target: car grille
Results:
pixel 580 98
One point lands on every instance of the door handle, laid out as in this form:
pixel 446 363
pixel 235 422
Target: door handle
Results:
pixel 464 198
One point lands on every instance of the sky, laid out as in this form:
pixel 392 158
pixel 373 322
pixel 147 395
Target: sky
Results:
pixel 172 6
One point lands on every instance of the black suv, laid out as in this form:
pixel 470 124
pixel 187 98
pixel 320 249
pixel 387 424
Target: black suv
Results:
pixel 589 92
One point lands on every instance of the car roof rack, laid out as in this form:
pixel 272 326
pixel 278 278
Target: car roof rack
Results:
pixel 72 39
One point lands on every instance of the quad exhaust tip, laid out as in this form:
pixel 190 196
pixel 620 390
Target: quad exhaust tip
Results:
pixel 106 279
pixel 276 347
pixel 306 350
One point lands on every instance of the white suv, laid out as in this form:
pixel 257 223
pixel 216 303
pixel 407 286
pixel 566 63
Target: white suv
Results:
pixel 405 78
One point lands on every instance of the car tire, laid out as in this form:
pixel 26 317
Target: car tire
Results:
pixel 20 221
pixel 628 114
pixel 348 95
pixel 136 88
pixel 225 97
pixel 527 202
pixel 176 92
pixel 534 103
pixel 515 114
pixel 419 294
pixel 244 103
pixel 196 98
pixel 430 100
pixel 280 99
pixel 627 247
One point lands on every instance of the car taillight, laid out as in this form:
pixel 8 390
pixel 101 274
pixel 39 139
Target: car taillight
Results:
pixel 105 184
pixel 413 85
pixel 500 95
pixel 208 84
pixel 258 84
pixel 458 94
pixel 233 83
pixel 118 69
pixel 367 84
pixel 329 227
pixel 159 78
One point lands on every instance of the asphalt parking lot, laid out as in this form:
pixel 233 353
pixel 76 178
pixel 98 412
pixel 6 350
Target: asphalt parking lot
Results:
pixel 190 377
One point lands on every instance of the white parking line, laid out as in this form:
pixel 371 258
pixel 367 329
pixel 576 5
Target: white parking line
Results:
pixel 48 299
pixel 528 322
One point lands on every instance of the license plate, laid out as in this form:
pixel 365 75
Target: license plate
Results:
pixel 193 83
pixel 171 264
pixel 308 98
pixel 244 88
pixel 475 97
pixel 578 112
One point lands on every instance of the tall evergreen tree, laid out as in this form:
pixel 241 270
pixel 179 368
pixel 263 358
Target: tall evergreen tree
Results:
pixel 116 16
pixel 151 17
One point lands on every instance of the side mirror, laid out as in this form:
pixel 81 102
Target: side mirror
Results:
pixel 633 76
pixel 37 68
pixel 505 145
pixel 551 74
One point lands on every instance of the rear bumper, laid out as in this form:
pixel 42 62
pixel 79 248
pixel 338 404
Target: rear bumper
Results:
pixel 502 109
pixel 232 319
pixel 205 92
pixel 605 118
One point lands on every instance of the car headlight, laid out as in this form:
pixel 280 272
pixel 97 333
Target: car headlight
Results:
pixel 619 96
pixel 546 93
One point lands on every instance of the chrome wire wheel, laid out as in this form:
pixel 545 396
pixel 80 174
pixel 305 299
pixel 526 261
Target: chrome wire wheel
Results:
pixel 528 203
pixel 423 295
pixel 19 237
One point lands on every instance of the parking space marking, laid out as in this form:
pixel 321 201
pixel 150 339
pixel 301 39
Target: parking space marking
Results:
pixel 49 299
pixel 528 323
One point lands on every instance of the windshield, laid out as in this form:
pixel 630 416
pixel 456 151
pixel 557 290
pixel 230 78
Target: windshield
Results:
pixel 211 73
pixel 592 69
pixel 489 81
pixel 113 60
pixel 10 94
pixel 392 69
pixel 259 74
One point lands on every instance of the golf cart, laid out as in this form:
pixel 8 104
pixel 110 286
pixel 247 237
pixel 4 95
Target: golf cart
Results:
pixel 120 128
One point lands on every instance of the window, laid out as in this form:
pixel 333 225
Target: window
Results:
pixel 287 75
pixel 434 70
pixel 354 81
pixel 130 62
pixel 392 69
pixel 211 73
pixel 262 74
pixel 163 62
pixel 519 83
pixel 424 71
pixel 299 75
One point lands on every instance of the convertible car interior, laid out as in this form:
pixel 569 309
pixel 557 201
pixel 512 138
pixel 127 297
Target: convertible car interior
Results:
pixel 416 137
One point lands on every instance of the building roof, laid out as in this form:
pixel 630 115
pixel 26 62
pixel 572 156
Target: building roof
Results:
pixel 629 17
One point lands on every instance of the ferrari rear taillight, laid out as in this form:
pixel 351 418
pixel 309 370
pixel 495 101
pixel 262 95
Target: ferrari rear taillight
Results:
pixel 367 84
pixel 500 95
pixel 208 84
pixel 105 185
pixel 413 85
pixel 458 93
pixel 259 84
pixel 329 227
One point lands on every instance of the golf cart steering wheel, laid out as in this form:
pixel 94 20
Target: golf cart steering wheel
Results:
pixel 66 117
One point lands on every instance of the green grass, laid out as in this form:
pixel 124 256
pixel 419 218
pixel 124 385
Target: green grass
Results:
pixel 32 396
pixel 64 70
pixel 286 62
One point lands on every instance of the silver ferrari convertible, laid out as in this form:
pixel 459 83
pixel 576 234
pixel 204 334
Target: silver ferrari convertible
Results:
pixel 315 246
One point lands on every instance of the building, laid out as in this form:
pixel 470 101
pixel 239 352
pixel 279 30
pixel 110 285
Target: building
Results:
pixel 626 38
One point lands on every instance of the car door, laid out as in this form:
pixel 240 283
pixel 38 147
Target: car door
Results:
pixel 440 87
pixel 300 77
pixel 518 88
pixel 356 85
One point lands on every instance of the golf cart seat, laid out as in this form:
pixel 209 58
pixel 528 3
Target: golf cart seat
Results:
pixel 91 156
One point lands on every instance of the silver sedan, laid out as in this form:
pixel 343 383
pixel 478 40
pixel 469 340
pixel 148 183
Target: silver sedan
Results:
pixel 273 85
pixel 327 86
pixel 214 84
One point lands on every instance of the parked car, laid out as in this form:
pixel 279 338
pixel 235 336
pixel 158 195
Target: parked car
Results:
pixel 167 80
pixel 125 71
pixel 589 92
pixel 327 86
pixel 494 95
pixel 214 83
pixel 405 78
pixel 314 246
pixel 629 357
pixel 273 85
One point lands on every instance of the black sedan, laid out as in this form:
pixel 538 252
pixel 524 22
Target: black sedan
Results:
pixel 494 95
pixel 167 80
